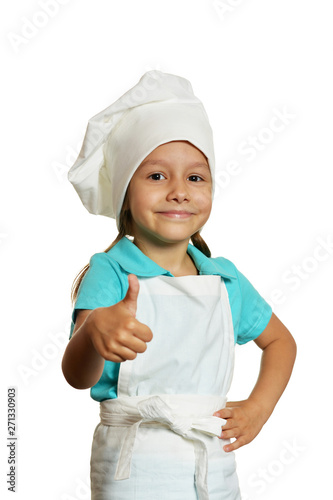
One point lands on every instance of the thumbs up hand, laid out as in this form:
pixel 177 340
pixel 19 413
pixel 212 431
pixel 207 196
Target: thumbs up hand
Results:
pixel 131 298
pixel 115 332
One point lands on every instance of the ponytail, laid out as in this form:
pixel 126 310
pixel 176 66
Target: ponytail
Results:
pixel 200 244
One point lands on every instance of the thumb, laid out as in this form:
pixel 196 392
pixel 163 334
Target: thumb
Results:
pixel 130 299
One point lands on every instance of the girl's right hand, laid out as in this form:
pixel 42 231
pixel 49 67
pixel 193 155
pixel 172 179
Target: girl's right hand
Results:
pixel 115 332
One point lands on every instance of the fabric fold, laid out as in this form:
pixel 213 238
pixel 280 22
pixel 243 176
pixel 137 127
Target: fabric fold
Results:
pixel 155 411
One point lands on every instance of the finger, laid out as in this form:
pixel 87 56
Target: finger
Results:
pixel 234 446
pixel 131 297
pixel 142 331
pixel 116 354
pixel 231 433
pixel 123 354
pixel 230 424
pixel 232 404
pixel 225 413
pixel 114 357
pixel 134 344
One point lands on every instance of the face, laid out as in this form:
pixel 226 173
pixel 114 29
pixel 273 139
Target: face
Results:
pixel 170 194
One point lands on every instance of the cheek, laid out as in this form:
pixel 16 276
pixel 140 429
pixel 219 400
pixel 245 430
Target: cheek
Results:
pixel 140 207
pixel 135 201
pixel 205 200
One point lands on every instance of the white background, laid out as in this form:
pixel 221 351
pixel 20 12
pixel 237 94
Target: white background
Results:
pixel 247 60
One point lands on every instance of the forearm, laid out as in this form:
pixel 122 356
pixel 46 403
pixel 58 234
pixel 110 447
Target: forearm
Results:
pixel 277 362
pixel 246 418
pixel 82 365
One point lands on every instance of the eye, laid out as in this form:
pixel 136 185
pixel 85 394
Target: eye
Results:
pixel 156 176
pixel 195 178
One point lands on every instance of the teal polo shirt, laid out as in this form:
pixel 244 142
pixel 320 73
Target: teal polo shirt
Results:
pixel 105 283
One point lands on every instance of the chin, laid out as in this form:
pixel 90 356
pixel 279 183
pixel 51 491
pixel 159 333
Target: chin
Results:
pixel 173 238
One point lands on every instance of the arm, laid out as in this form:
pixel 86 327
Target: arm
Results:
pixel 105 333
pixel 82 365
pixel 246 418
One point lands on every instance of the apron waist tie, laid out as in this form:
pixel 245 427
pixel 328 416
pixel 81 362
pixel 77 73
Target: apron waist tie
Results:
pixel 132 412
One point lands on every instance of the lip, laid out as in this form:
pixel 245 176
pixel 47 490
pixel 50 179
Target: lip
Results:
pixel 177 214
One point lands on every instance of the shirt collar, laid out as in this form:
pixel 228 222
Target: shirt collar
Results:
pixel 133 261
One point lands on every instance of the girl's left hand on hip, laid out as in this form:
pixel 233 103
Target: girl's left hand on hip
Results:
pixel 245 420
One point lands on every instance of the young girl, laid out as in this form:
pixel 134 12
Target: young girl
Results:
pixel 156 318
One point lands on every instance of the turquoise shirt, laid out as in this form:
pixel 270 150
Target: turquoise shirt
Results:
pixel 105 284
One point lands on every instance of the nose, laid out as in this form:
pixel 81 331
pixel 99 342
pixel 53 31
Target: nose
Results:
pixel 178 191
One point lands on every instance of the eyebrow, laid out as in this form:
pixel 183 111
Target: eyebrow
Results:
pixel 165 162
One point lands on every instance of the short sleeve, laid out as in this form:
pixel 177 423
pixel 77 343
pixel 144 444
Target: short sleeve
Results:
pixel 100 287
pixel 254 311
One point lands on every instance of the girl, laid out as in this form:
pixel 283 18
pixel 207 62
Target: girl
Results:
pixel 156 318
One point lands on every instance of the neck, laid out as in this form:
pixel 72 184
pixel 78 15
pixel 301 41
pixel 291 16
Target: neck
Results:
pixel 171 256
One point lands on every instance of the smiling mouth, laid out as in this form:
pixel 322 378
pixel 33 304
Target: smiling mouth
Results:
pixel 176 214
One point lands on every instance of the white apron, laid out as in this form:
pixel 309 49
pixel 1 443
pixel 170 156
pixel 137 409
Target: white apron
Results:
pixel 159 439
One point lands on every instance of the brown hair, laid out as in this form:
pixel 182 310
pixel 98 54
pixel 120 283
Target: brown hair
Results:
pixel 125 228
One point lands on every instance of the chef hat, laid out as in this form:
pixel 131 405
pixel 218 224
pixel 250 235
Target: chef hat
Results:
pixel 160 108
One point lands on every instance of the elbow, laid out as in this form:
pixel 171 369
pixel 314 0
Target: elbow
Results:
pixel 292 342
pixel 289 342
pixel 294 347
pixel 82 380
pixel 71 378
pixel 291 348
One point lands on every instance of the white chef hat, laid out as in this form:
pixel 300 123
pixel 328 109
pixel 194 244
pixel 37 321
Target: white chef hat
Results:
pixel 160 108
